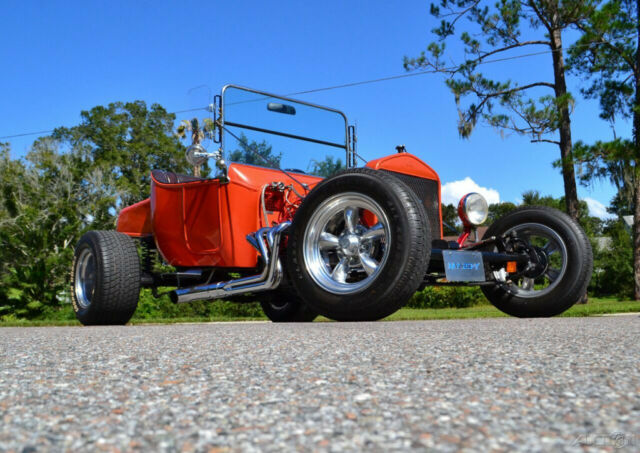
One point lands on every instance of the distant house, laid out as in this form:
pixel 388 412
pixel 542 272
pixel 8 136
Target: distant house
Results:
pixel 603 243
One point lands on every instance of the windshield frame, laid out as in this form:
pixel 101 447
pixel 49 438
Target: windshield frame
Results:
pixel 347 135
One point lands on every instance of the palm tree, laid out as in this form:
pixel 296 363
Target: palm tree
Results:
pixel 198 133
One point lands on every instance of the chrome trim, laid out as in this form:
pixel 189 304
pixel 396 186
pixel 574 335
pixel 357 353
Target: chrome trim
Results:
pixel 341 254
pixel 268 279
pixel 85 278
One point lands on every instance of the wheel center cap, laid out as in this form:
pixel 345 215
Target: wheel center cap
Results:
pixel 350 244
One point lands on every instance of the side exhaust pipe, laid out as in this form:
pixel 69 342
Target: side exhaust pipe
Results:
pixel 267 242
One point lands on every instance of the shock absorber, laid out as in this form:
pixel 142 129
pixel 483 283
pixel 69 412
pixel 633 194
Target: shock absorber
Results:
pixel 148 255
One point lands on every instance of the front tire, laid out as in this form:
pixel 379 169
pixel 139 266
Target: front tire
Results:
pixel 105 278
pixel 359 246
pixel 569 263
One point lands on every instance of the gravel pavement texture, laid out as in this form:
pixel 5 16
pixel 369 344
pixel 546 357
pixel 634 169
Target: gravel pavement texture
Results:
pixel 562 384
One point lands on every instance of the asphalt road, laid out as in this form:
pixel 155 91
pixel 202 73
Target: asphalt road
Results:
pixel 528 385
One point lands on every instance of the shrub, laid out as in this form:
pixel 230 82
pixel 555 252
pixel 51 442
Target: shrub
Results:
pixel 447 297
pixel 613 265
pixel 152 308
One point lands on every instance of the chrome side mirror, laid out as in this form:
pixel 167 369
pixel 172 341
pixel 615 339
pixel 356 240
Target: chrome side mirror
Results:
pixel 196 155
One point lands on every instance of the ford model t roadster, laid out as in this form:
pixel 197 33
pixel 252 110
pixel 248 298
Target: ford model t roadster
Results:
pixel 353 246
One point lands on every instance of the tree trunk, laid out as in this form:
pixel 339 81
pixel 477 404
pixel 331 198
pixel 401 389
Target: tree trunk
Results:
pixel 636 236
pixel 566 154
pixel 636 144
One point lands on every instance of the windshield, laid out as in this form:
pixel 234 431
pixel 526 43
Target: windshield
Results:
pixel 270 131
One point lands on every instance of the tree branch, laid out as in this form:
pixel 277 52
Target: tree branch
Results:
pixel 460 14
pixel 455 68
pixel 531 4
pixel 486 96
pixel 513 46
pixel 539 140
pixel 599 38
pixel 531 129
pixel 513 90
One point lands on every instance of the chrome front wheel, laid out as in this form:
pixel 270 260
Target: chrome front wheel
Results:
pixel 359 246
pixel 346 243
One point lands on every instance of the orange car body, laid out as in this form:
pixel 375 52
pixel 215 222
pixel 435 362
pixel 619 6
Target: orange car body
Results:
pixel 204 223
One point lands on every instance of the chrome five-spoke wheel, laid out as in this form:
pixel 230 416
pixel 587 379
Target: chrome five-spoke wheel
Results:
pixel 359 245
pixel 346 243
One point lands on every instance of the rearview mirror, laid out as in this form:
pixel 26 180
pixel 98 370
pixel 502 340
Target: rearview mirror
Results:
pixel 281 108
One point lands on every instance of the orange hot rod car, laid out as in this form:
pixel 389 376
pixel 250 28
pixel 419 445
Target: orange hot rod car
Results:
pixel 353 246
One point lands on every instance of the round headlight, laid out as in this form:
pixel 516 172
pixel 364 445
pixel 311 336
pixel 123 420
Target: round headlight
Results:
pixel 473 209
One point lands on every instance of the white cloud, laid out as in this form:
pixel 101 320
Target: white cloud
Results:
pixel 597 209
pixel 453 191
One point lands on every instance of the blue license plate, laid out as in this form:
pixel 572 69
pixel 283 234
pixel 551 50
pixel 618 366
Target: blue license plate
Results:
pixel 460 266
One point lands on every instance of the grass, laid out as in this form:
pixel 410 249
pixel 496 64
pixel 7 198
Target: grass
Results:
pixel 596 306
pixel 62 323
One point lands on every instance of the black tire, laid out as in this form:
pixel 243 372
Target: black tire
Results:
pixel 284 305
pixel 406 262
pixel 111 296
pixel 572 284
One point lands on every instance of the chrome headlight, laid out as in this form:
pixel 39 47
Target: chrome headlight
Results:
pixel 473 209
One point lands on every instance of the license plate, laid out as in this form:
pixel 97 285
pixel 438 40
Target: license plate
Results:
pixel 462 266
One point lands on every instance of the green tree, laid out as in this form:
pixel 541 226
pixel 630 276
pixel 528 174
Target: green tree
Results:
pixel 608 55
pixel 255 153
pixel 450 220
pixel 620 206
pixel 538 108
pixel 126 140
pixel 327 167
pixel 533 198
pixel 46 207
pixel 613 263
pixel 198 130
pixel 611 161
pixel 50 198
pixel 591 225
pixel 498 210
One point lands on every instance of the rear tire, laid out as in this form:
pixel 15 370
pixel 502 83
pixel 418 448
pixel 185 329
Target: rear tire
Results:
pixel 283 305
pixel 344 267
pixel 572 277
pixel 105 278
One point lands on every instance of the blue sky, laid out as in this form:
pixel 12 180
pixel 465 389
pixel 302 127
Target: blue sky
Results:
pixel 62 57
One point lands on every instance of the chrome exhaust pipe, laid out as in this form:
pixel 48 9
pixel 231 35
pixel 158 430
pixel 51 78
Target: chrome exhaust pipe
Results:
pixel 269 278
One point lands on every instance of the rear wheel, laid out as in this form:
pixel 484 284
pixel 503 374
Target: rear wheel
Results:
pixel 564 263
pixel 105 278
pixel 283 305
pixel 359 246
